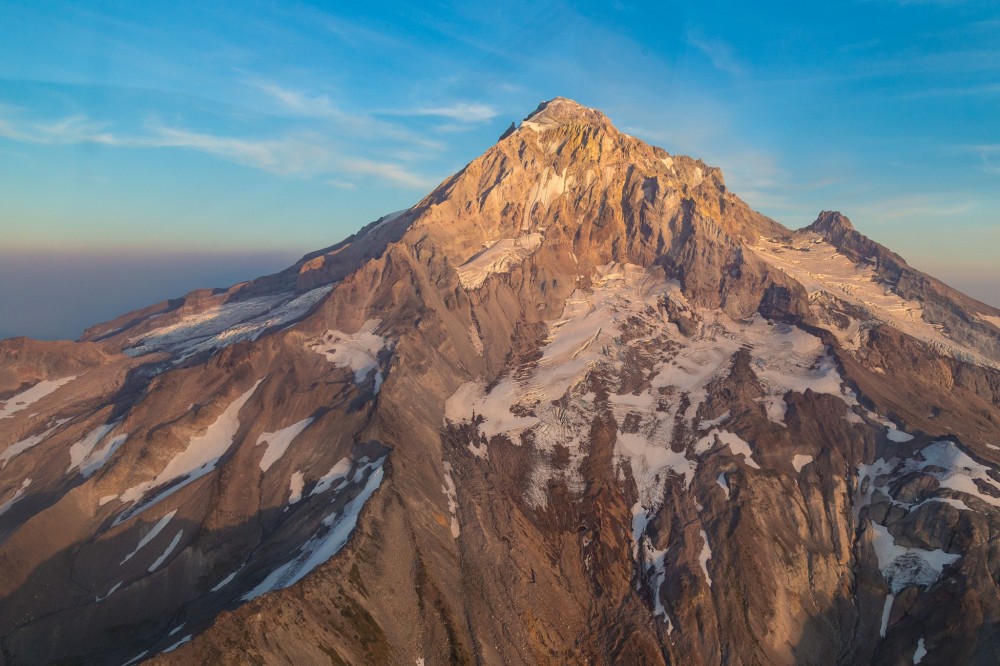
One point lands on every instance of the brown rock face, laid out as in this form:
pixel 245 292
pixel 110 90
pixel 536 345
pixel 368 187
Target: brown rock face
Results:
pixel 581 404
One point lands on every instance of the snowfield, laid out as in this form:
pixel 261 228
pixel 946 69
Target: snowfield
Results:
pixel 549 403
pixel 30 396
pixel 225 324
pixel 357 351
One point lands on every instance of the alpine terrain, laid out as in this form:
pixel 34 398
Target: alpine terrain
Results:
pixel 580 404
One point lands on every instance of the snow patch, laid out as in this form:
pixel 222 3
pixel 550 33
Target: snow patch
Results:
pixel 225 324
pixel 166 553
pixel 226 581
pixel 800 460
pixel 136 658
pixel 723 483
pixel 886 611
pixel 335 531
pixel 114 588
pixel 708 424
pixel 921 651
pixel 902 566
pixel 85 456
pixel 499 257
pixel 18 448
pixel 357 351
pixel 277 442
pixel 157 528
pixel 821 269
pixel 337 473
pixel 179 643
pixel 991 319
pixel 705 556
pixel 32 395
pixel 295 486
pixel 898 436
pixel 735 443
pixel 194 462
pixel 5 507
pixel 452 495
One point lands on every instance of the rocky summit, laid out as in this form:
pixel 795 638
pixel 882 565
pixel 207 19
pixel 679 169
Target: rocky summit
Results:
pixel 580 404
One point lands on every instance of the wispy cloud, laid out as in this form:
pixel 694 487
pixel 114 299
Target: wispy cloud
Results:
pixel 468 112
pixel 68 130
pixel 915 206
pixel 291 155
pixel 987 153
pixel 389 171
pixel 298 102
pixel 303 154
pixel 304 104
pixel 719 53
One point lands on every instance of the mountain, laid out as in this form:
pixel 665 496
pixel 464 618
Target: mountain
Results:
pixel 580 404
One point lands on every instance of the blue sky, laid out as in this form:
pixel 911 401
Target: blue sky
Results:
pixel 270 129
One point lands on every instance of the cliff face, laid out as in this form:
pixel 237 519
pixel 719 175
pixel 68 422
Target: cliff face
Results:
pixel 579 404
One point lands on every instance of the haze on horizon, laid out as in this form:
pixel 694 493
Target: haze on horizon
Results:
pixel 145 152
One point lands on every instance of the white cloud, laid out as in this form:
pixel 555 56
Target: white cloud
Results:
pixel 302 104
pixel 986 152
pixel 302 153
pixel 916 206
pixel 719 53
pixel 389 171
pixel 69 130
pixel 291 155
pixel 466 112
pixel 299 102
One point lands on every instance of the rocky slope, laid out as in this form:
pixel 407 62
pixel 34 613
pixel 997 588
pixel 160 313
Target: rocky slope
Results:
pixel 580 404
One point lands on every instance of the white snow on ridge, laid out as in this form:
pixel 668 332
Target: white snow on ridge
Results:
pixel 820 268
pixel 945 461
pixel 500 257
pixel 601 331
pixel 991 319
pixel 277 442
pixel 357 351
pixel 225 324
pixel 194 462
pixel 32 395
pixel 550 398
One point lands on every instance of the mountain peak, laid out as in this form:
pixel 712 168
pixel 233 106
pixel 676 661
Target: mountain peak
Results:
pixel 563 111
pixel 831 222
